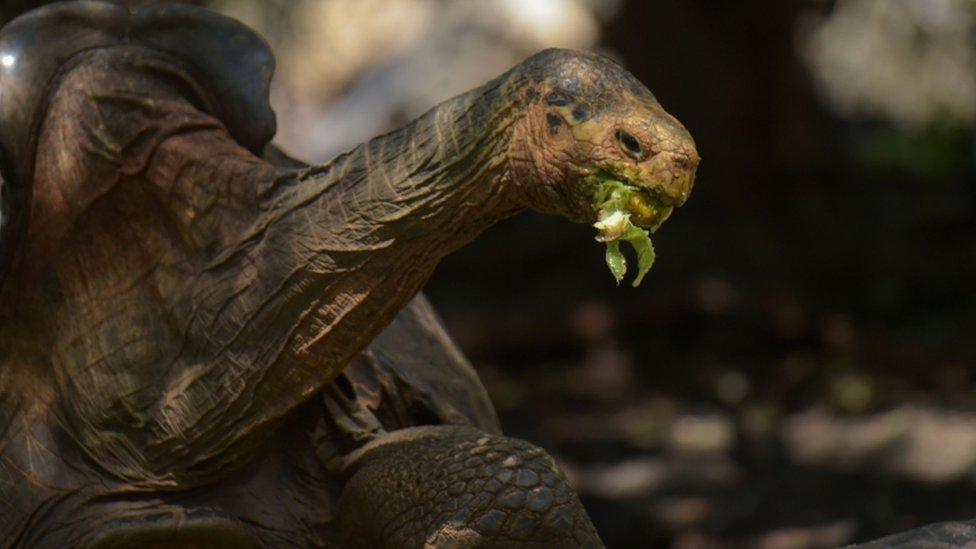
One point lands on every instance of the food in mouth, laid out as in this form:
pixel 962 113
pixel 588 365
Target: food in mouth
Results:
pixel 626 213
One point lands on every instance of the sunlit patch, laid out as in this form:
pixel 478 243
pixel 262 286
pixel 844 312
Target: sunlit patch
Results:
pixel 8 60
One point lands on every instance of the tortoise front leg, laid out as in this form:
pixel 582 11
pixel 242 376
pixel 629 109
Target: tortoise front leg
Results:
pixel 452 486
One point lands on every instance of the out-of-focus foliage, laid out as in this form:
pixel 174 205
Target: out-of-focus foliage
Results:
pixel 904 63
pixel 906 60
pixel 351 69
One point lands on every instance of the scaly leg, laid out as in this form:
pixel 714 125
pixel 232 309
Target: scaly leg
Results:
pixel 450 486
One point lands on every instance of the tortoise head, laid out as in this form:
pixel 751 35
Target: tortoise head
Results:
pixel 587 116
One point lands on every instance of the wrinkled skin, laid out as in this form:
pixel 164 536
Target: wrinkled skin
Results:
pixel 180 312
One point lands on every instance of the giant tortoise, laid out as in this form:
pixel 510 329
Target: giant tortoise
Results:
pixel 207 343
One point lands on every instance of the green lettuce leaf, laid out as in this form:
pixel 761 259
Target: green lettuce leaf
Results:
pixel 613 224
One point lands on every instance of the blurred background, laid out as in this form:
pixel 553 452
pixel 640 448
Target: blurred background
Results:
pixel 799 368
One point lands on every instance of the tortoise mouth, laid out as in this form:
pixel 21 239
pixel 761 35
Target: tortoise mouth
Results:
pixel 646 206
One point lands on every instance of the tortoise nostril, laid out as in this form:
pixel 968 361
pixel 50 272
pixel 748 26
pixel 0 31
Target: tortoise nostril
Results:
pixel 630 145
pixel 684 163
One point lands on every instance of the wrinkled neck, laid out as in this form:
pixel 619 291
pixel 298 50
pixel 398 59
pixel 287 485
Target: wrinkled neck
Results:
pixel 165 255
pixel 447 168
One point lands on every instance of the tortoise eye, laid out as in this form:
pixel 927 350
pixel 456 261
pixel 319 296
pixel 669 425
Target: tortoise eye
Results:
pixel 630 145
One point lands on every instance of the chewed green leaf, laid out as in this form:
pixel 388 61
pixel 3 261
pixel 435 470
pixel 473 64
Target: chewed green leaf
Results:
pixel 616 261
pixel 640 240
pixel 612 200
pixel 612 227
